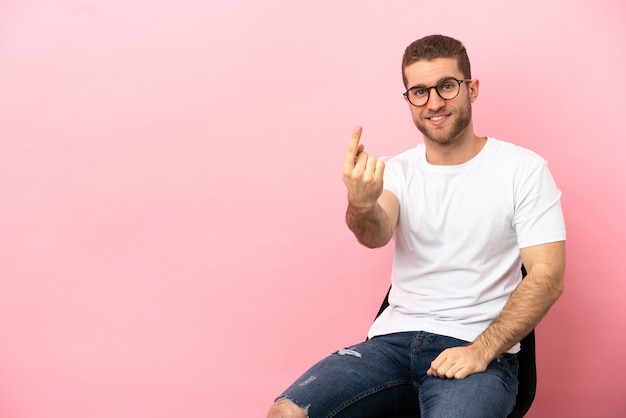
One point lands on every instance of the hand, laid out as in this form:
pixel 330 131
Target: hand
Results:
pixel 362 173
pixel 458 363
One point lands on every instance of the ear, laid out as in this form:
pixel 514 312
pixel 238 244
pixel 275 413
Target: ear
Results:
pixel 473 90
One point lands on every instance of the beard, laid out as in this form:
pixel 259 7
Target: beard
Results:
pixel 446 135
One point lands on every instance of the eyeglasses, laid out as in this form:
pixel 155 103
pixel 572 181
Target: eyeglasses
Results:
pixel 447 89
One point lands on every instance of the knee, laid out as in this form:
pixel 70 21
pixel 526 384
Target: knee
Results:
pixel 284 408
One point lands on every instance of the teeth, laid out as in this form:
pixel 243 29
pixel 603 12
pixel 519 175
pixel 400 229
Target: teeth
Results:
pixel 437 118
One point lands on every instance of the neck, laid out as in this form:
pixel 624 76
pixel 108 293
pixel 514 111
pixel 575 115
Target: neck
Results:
pixel 456 151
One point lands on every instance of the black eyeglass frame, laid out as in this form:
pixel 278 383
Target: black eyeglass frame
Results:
pixel 459 82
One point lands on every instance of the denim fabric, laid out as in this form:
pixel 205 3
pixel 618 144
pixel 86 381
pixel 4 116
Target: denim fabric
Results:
pixel 386 376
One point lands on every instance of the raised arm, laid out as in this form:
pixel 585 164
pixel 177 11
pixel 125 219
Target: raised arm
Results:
pixel 372 212
pixel 527 305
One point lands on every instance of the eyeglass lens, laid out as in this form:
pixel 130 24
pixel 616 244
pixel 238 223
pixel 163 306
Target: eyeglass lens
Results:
pixel 446 89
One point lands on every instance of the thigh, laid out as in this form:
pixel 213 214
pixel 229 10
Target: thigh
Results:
pixel 488 394
pixel 365 380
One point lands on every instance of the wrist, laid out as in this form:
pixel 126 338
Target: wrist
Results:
pixel 483 351
pixel 361 207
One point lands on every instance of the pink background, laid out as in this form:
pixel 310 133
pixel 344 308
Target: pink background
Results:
pixel 172 240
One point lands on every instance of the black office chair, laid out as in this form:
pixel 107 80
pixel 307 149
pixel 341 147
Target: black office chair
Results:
pixel 527 374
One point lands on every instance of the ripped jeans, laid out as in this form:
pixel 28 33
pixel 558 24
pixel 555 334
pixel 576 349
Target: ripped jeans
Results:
pixel 386 376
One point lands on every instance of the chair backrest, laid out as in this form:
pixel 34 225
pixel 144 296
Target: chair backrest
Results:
pixel 527 374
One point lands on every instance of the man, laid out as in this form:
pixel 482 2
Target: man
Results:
pixel 466 212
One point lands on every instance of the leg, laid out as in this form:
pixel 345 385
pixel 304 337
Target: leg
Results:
pixel 284 408
pixel 366 380
pixel 488 394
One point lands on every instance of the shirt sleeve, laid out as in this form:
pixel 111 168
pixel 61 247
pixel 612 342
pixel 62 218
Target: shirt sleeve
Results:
pixel 538 215
pixel 392 180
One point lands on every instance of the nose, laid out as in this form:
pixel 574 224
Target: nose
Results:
pixel 435 102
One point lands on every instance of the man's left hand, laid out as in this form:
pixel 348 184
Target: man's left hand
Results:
pixel 458 363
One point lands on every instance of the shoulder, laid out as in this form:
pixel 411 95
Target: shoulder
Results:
pixel 512 150
pixel 514 155
pixel 405 159
pixel 400 168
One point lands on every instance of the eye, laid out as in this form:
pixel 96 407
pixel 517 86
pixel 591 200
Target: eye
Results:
pixel 447 85
pixel 419 91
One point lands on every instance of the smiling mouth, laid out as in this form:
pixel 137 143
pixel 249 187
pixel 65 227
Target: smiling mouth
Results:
pixel 437 118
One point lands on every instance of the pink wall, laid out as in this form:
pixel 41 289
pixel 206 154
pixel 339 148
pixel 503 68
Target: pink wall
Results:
pixel 171 224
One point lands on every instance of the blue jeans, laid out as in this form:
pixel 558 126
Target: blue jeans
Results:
pixel 386 376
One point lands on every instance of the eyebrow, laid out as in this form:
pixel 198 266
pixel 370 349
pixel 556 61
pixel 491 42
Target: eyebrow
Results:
pixel 437 83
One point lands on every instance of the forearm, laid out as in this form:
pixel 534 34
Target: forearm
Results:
pixel 528 304
pixel 371 226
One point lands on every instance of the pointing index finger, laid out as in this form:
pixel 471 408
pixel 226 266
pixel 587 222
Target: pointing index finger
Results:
pixel 353 145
